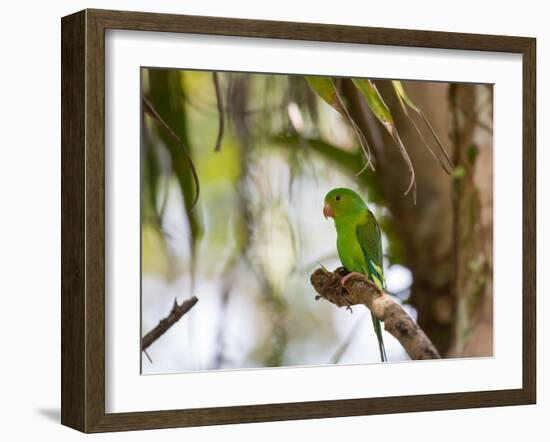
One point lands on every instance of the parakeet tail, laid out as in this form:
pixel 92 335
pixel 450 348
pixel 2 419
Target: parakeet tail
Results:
pixel 378 330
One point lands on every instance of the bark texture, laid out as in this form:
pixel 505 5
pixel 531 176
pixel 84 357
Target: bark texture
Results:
pixel 178 310
pixel 471 107
pixel 358 290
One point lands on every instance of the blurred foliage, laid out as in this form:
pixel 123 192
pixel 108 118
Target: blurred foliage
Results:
pixel 266 148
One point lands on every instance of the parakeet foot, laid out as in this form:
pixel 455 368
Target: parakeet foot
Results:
pixel 345 278
pixel 348 304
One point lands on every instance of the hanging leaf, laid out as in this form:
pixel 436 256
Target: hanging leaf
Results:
pixel 406 102
pixel 381 111
pixel 326 89
pixel 150 110
pixel 376 103
pixel 164 104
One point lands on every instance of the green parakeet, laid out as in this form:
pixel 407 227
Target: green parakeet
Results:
pixel 359 242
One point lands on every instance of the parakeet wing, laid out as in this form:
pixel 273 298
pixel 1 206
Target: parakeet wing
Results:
pixel 370 239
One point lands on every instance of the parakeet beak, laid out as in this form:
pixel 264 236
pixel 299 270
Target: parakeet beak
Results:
pixel 327 211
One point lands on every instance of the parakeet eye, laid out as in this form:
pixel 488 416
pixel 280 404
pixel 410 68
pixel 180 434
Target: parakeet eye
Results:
pixel 337 198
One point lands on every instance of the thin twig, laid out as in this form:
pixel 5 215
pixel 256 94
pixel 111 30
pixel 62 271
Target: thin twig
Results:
pixel 406 102
pixel 448 169
pixel 360 135
pixel 221 111
pixel 148 357
pixel 407 158
pixel 438 141
pixel 178 310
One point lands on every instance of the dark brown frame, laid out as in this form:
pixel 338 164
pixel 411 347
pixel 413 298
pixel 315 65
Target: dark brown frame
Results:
pixel 83 217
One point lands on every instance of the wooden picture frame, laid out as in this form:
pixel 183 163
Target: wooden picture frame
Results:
pixel 83 220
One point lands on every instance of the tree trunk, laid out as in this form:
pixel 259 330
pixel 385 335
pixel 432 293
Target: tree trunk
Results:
pixel 473 207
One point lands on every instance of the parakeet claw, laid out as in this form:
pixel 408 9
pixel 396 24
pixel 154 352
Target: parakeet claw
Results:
pixel 345 278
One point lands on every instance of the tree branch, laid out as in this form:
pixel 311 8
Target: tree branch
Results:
pixel 178 310
pixel 359 290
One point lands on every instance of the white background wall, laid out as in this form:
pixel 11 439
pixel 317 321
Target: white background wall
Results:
pixel 30 215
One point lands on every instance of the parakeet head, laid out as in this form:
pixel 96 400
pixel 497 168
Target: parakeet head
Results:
pixel 342 202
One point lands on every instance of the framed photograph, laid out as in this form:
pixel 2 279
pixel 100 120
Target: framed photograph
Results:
pixel 268 220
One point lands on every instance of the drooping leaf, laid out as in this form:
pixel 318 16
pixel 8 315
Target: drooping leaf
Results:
pixel 150 110
pixel 381 111
pixel 375 102
pixel 152 176
pixel 326 89
pixel 406 102
pixel 403 96
pixel 167 109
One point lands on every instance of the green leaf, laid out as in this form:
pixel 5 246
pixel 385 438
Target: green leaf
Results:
pixel 472 153
pixel 459 172
pixel 381 111
pixel 326 89
pixel 166 99
pixel 376 103
pixel 407 102
pixel 404 98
